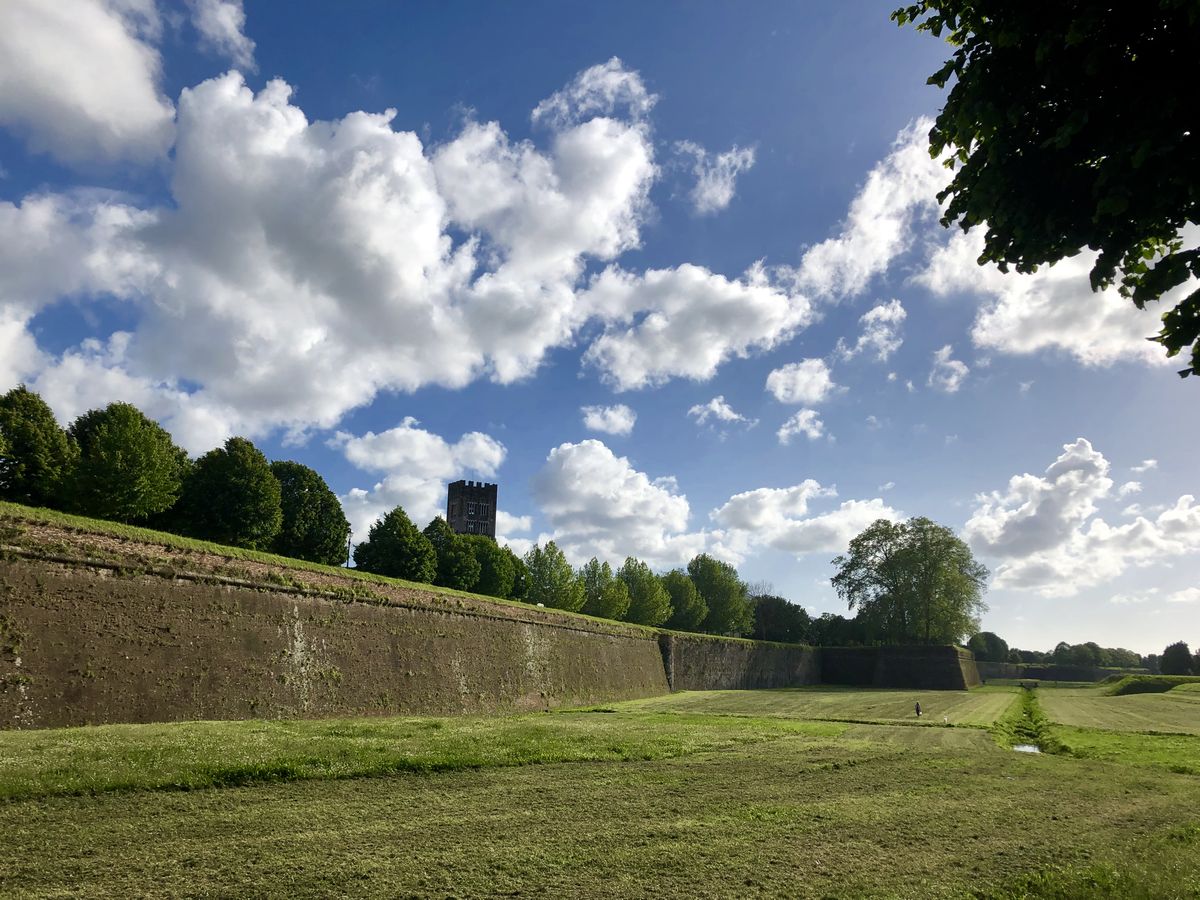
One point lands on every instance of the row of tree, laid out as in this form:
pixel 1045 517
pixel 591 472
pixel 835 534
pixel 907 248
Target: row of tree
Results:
pixel 1176 659
pixel 115 463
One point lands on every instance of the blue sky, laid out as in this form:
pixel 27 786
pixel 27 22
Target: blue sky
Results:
pixel 669 273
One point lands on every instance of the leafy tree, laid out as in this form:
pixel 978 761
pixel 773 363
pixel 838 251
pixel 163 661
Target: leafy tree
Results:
pixel 1176 659
pixel 688 609
pixel 232 497
pixel 778 619
pixel 832 630
pixel 36 456
pixel 394 547
pixel 314 526
pixel 1014 655
pixel 129 468
pixel 988 647
pixel 496 570
pixel 457 567
pixel 520 582
pixel 1068 130
pixel 724 594
pixel 604 595
pixel 649 602
pixel 912 582
pixel 550 580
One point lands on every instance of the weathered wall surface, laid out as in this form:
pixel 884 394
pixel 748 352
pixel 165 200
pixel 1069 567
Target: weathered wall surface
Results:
pixel 87 646
pixel 1050 672
pixel 927 668
pixel 695 663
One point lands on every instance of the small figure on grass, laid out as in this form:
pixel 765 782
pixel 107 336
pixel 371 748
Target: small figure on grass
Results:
pixel 918 708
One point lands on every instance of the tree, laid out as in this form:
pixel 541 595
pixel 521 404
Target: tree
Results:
pixel 688 609
pixel 520 583
pixel 550 580
pixel 604 596
pixel 832 630
pixel 394 547
pixel 231 497
pixel 778 619
pixel 313 527
pixel 129 468
pixel 724 594
pixel 649 602
pixel 1068 130
pixel 496 569
pixel 912 582
pixel 988 647
pixel 457 567
pixel 1176 660
pixel 36 456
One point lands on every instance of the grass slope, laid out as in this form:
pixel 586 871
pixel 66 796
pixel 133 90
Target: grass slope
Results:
pixel 1172 711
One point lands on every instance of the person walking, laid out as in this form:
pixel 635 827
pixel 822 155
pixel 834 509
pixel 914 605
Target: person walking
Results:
pixel 918 709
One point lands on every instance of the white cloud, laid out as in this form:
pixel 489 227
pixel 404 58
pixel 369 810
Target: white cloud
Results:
pixel 1044 531
pixel 416 464
pixel 778 518
pixel 879 226
pixel 886 486
pixel 1145 466
pixel 1129 487
pixel 947 374
pixel 881 333
pixel 807 381
pixel 1187 595
pixel 806 422
pixel 221 24
pixel 79 79
pixel 598 504
pixel 1052 309
pixel 597 91
pixel 618 419
pixel 719 411
pixel 716 176
pixel 695 320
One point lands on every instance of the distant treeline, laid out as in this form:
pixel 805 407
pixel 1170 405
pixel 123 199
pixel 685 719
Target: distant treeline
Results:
pixel 1176 659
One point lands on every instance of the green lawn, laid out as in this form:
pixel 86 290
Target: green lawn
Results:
pixel 979 707
pixel 1173 711
pixel 708 794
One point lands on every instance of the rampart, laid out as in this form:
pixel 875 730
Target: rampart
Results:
pixel 98 629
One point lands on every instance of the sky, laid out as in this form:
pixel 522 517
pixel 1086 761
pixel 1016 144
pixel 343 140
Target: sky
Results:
pixel 670 274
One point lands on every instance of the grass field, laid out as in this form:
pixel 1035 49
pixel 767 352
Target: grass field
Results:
pixel 714 794
pixel 1173 711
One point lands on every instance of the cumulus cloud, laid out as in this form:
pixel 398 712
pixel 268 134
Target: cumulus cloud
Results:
pixel 880 335
pixel 947 374
pixel 1053 309
pixel 806 422
pixel 694 321
pixel 778 518
pixel 597 91
pixel 618 419
pixel 80 79
pixel 807 381
pixel 1047 537
pixel 1145 466
pixel 222 24
pixel 598 504
pixel 416 465
pixel 898 192
pixel 1129 487
pixel 718 410
pixel 716 176
pixel 1187 595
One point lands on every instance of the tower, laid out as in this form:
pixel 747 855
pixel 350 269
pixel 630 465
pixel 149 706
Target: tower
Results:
pixel 471 507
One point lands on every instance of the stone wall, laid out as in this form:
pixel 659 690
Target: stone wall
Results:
pixel 927 668
pixel 698 663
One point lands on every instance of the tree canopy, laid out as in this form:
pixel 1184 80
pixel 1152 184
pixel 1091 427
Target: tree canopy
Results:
pixel 395 547
pixel 604 595
pixel 1176 659
pixel 231 497
pixel 1070 126
pixel 457 567
pixel 550 580
pixel 129 468
pixel 496 569
pixel 314 527
pixel 912 582
pixel 649 602
pixel 688 609
pixel 778 619
pixel 724 594
pixel 36 455
pixel 988 647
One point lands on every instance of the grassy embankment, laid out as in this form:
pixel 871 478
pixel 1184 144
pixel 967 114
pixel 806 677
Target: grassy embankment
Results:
pixel 707 794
